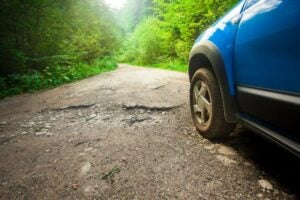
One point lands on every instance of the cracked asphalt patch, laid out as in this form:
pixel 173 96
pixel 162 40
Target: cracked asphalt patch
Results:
pixel 128 134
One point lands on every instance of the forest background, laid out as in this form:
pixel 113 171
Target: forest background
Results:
pixel 46 43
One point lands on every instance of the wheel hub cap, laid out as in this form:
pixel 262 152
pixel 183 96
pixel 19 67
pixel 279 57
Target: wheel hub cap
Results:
pixel 202 102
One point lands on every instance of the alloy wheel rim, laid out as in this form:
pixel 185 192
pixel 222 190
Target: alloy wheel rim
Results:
pixel 202 105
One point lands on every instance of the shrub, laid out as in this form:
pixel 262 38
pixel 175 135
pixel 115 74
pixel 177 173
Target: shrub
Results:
pixel 53 76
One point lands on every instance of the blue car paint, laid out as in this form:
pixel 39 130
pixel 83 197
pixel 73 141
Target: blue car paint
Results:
pixel 222 34
pixel 267 58
pixel 267 47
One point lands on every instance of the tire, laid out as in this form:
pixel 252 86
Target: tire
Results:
pixel 207 107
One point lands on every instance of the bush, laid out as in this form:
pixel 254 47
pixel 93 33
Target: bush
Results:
pixel 53 76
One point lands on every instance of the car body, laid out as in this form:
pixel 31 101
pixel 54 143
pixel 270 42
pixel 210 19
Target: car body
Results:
pixel 253 53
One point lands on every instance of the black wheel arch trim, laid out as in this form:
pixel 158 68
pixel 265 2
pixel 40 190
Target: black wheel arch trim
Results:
pixel 207 54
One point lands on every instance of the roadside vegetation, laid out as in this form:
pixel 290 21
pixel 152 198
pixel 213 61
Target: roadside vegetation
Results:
pixel 45 43
pixel 163 32
pixel 48 43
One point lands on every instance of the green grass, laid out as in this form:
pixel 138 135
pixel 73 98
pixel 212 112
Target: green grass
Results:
pixel 53 77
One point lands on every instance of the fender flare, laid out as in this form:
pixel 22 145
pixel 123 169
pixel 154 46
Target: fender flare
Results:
pixel 206 54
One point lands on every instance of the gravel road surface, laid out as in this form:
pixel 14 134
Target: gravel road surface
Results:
pixel 128 134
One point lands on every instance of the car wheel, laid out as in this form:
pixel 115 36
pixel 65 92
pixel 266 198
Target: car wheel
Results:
pixel 207 107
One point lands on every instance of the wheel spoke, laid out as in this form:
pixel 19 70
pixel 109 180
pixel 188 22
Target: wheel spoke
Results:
pixel 197 109
pixel 196 93
pixel 203 89
pixel 202 117
pixel 206 104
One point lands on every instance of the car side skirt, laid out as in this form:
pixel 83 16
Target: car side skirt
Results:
pixel 271 135
pixel 278 111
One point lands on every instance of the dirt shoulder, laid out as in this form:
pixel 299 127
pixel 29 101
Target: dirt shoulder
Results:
pixel 128 134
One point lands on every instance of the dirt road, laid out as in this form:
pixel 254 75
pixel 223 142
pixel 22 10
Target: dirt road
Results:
pixel 128 134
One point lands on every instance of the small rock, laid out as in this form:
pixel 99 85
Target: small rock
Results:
pixel 85 168
pixel 209 147
pixel 260 195
pixel 105 118
pixel 47 150
pixel 157 121
pixel 31 124
pixel 88 189
pixel 163 113
pixel 24 133
pixel 92 116
pixel 49 134
pixel 3 123
pixel 226 150
pixel 75 186
pixel 123 159
pixel 265 184
pixel 4 183
pixel 40 133
pixel 225 160
pixel 88 149
pixel 47 126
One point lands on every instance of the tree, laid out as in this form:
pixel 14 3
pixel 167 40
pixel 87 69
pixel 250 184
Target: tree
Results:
pixel 43 33
pixel 179 22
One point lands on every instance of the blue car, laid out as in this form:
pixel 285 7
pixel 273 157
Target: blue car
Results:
pixel 245 69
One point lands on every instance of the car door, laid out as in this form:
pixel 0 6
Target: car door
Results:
pixel 267 63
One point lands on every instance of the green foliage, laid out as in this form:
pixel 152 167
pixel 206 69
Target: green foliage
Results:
pixel 45 43
pixel 53 76
pixel 36 34
pixel 166 38
pixel 145 43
